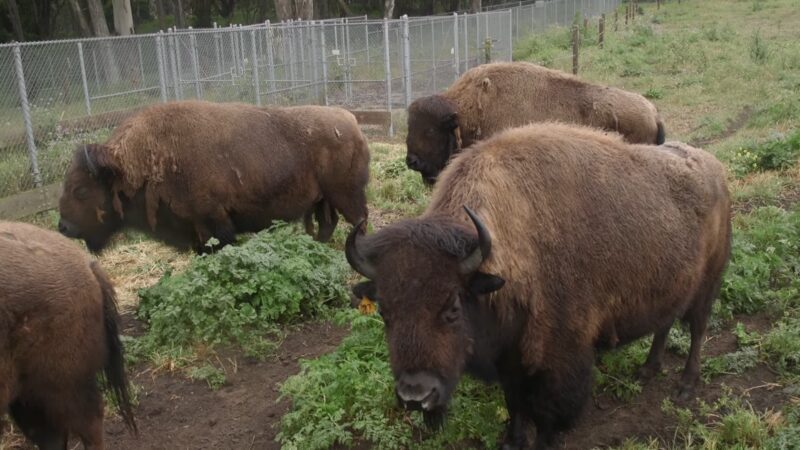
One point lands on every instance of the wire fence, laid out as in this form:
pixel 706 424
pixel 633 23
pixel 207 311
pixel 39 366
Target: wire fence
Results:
pixel 56 94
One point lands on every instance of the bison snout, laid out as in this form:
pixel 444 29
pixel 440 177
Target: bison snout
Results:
pixel 413 162
pixel 420 390
pixel 67 229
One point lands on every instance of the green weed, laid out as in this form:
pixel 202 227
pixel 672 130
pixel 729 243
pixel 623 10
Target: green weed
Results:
pixel 779 153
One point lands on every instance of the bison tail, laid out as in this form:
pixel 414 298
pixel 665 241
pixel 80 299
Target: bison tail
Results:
pixel 661 135
pixel 114 370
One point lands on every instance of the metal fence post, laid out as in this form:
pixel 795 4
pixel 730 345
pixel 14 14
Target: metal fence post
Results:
pixel 241 50
pixel 456 63
pixel 162 83
pixel 324 65
pixel 406 60
pixel 26 117
pixel 347 69
pixel 254 65
pixel 270 57
pixel 366 38
pixel 388 70
pixel 96 73
pixel 234 55
pixel 175 64
pixel 433 51
pixel 292 73
pixel 198 91
pixel 217 51
pixel 510 54
pixel 301 41
pixel 141 60
pixel 314 63
pixel 466 42
pixel 86 97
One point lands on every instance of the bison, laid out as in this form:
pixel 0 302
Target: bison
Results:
pixel 493 97
pixel 185 172
pixel 58 330
pixel 578 242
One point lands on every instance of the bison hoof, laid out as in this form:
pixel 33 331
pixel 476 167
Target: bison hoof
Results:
pixel 647 373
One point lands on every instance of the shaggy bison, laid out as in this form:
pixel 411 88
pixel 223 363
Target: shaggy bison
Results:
pixel 188 171
pixel 493 97
pixel 579 241
pixel 58 330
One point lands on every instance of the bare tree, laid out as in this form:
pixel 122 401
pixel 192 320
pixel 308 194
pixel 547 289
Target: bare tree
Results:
pixel 178 6
pixel 388 9
pixel 283 9
pixel 304 9
pixel 161 14
pixel 79 19
pixel 100 29
pixel 123 17
pixel 13 15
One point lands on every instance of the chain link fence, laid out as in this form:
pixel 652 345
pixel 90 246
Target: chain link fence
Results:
pixel 56 94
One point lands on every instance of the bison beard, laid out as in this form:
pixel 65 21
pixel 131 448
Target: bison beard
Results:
pixel 601 243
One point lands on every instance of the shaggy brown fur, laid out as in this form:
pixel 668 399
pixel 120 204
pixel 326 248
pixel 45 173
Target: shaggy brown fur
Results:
pixel 493 97
pixel 58 330
pixel 599 242
pixel 188 171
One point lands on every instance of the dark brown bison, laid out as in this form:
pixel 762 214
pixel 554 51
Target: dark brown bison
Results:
pixel 188 171
pixel 579 241
pixel 492 97
pixel 58 330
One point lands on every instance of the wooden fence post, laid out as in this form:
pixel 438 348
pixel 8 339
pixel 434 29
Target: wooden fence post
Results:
pixel 601 31
pixel 575 41
pixel 616 20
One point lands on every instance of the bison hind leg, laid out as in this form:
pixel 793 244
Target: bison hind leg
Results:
pixel 697 318
pixel 32 421
pixel 652 366
pixel 327 217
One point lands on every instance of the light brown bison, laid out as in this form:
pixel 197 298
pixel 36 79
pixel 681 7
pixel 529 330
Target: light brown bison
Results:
pixel 492 97
pixel 188 171
pixel 579 241
pixel 58 330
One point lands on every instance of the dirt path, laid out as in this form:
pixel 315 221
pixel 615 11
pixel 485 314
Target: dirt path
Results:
pixel 174 413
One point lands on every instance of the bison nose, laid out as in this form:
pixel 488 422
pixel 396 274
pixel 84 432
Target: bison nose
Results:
pixel 62 227
pixel 420 389
pixel 412 162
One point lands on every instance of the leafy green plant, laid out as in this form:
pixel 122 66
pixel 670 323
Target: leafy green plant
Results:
pixel 615 373
pixel 765 262
pixel 779 153
pixel 781 347
pixel 240 294
pixel 654 93
pixel 758 49
pixel 348 395
pixel 210 374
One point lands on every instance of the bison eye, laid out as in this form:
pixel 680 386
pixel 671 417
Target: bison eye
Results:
pixel 81 193
pixel 452 313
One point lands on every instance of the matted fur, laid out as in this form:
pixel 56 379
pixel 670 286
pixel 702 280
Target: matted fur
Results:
pixel 230 166
pixel 56 311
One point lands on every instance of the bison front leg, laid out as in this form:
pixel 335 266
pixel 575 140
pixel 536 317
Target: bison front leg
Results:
pixel 327 217
pixel 519 424
pixel 652 366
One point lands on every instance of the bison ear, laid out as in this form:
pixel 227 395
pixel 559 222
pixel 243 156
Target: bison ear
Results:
pixel 450 123
pixel 365 289
pixel 485 283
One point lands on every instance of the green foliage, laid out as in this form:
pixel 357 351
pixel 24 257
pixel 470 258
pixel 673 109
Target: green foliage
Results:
pixel 758 49
pixel 393 186
pixel 615 373
pixel 765 262
pixel 781 346
pixel 349 394
pixel 241 293
pixel 778 153
pixel 654 93
pixel 730 364
pixel 210 374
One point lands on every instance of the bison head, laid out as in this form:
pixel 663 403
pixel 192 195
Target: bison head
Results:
pixel 423 273
pixel 432 135
pixel 86 203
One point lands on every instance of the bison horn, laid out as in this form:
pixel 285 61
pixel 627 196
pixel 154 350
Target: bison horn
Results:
pixel 471 263
pixel 357 260
pixel 89 163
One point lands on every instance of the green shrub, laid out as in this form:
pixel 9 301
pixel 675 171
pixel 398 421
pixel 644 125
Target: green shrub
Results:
pixel 241 293
pixel 349 395
pixel 765 262
pixel 779 153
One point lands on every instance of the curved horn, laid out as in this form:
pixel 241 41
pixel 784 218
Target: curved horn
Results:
pixel 357 261
pixel 473 261
pixel 89 163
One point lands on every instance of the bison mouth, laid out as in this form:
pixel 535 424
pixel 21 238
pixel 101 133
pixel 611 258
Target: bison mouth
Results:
pixel 433 413
pixel 428 180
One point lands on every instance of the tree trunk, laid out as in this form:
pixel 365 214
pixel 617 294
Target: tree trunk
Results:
pixel 123 17
pixel 388 9
pixel 99 24
pixel 226 8
pixel 160 13
pixel 79 19
pixel 304 9
pixel 202 14
pixel 178 4
pixel 476 6
pixel 345 8
pixel 283 9
pixel 13 15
